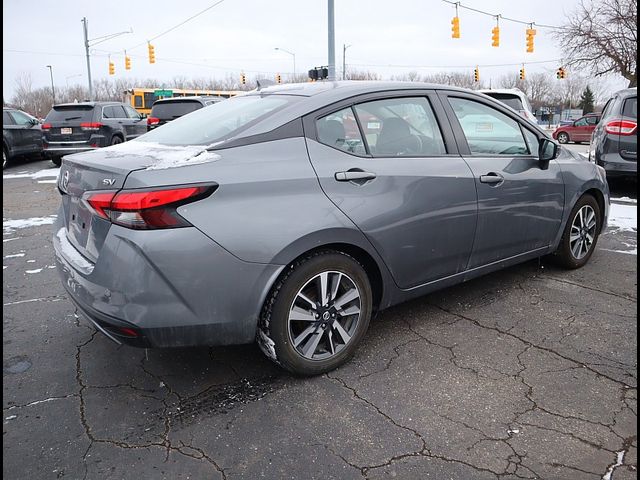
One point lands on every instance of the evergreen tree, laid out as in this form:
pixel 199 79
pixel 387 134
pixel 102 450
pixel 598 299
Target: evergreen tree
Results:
pixel 587 101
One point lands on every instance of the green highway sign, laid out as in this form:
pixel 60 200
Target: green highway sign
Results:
pixel 163 93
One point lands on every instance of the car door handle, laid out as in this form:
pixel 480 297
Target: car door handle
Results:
pixel 354 175
pixel 492 178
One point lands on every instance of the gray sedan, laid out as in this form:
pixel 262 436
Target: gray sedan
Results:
pixel 292 214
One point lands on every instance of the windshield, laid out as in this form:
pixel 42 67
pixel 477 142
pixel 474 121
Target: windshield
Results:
pixel 219 121
pixel 174 109
pixel 512 101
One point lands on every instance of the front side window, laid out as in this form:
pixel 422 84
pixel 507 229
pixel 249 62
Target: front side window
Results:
pixel 592 120
pixel 581 122
pixel 22 118
pixel 532 141
pixel 340 130
pixel 400 127
pixel 131 112
pixel 488 131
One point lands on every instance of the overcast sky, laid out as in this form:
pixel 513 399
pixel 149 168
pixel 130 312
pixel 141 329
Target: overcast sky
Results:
pixel 385 36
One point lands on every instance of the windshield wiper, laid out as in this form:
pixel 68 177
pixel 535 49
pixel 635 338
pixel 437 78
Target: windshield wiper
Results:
pixel 71 118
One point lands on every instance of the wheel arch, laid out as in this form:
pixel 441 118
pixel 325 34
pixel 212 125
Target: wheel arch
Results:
pixel 599 196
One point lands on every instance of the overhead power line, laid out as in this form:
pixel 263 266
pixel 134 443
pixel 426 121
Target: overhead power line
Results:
pixel 452 66
pixel 502 17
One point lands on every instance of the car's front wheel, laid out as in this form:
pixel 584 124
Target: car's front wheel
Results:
pixel 563 137
pixel 317 313
pixel 57 161
pixel 581 233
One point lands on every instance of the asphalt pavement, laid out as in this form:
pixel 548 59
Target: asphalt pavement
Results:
pixel 530 372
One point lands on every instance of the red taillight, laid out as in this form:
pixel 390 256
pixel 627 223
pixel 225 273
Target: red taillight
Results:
pixel 146 209
pixel 90 125
pixel 153 121
pixel 46 126
pixel 621 127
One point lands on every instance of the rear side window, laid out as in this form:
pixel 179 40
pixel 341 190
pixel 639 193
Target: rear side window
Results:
pixel 70 114
pixel 630 107
pixel 340 130
pixel 6 119
pixel 174 109
pixel 113 111
pixel 488 131
pixel 512 101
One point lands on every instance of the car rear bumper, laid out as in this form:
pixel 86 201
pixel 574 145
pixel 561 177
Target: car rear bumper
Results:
pixel 616 166
pixel 59 148
pixel 165 288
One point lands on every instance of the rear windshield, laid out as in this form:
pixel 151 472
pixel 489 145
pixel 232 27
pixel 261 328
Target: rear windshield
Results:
pixel 174 109
pixel 218 122
pixel 630 107
pixel 509 100
pixel 70 114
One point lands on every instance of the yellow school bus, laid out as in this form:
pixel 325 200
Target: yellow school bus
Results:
pixel 142 98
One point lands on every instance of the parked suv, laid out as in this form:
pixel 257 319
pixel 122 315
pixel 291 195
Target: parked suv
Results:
pixel 514 98
pixel 577 131
pixel 614 142
pixel 21 135
pixel 77 127
pixel 168 109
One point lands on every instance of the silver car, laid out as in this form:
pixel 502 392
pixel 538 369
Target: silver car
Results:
pixel 293 214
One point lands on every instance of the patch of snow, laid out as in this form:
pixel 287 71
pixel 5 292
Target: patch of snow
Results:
pixel 70 253
pixel 10 239
pixel 623 217
pixel 4 266
pixel 619 462
pixel 625 199
pixel 31 261
pixel 46 181
pixel 48 172
pixel 628 252
pixel 10 225
pixel 15 255
pixel 11 417
pixel 37 270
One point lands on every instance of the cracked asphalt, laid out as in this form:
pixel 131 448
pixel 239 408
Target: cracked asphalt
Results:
pixel 530 372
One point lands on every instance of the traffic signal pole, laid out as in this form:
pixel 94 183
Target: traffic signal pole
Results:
pixel 332 42
pixel 86 49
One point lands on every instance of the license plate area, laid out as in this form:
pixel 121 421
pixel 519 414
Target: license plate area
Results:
pixel 66 130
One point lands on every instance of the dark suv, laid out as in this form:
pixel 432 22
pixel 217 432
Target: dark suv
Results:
pixel 77 127
pixel 168 109
pixel 614 142
pixel 21 135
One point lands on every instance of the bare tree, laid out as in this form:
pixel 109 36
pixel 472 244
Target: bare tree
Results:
pixel 602 36
pixel 362 75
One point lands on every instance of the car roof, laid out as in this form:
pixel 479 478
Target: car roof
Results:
pixel 197 98
pixel 87 104
pixel 513 91
pixel 628 92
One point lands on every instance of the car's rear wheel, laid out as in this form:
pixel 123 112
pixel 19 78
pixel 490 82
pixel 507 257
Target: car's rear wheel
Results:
pixel 317 313
pixel 563 137
pixel 580 234
pixel 116 140
pixel 57 161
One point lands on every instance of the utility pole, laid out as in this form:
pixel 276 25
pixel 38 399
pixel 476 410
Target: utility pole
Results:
pixel 53 90
pixel 344 62
pixel 332 42
pixel 86 49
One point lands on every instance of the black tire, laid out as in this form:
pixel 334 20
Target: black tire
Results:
pixel 116 139
pixel 565 255
pixel 5 158
pixel 275 330
pixel 563 137
pixel 57 161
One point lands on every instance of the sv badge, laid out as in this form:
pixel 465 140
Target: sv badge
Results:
pixel 108 181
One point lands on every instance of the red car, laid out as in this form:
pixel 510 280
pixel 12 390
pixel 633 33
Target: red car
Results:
pixel 578 131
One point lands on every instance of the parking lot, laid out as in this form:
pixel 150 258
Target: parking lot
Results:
pixel 530 372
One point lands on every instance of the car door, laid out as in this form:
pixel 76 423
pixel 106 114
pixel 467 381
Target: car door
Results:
pixel 392 166
pixel 27 132
pixel 581 130
pixel 125 123
pixel 520 200
pixel 138 126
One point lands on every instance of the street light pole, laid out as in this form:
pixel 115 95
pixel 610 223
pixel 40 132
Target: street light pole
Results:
pixel 344 62
pixel 332 42
pixel 53 90
pixel 294 59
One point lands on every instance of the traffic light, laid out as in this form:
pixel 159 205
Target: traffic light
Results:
pixel 495 37
pixel 243 79
pixel 112 68
pixel 152 53
pixel 455 27
pixel 278 78
pixel 530 34
pixel 127 63
pixel 522 73
pixel 476 74
pixel 560 74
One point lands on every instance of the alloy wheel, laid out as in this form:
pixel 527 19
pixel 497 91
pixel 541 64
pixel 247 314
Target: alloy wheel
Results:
pixel 583 232
pixel 324 315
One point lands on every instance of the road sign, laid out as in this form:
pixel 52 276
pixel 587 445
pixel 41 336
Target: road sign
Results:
pixel 163 93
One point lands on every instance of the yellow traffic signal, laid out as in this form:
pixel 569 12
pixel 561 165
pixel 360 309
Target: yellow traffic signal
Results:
pixel 243 79
pixel 278 78
pixel 495 37
pixel 530 34
pixel 152 53
pixel 127 63
pixel 112 68
pixel 476 75
pixel 560 74
pixel 522 73
pixel 455 27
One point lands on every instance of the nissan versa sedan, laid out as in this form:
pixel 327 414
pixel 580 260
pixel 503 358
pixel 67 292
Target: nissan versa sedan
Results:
pixel 294 213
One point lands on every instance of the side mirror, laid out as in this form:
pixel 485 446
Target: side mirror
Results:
pixel 547 150
pixel 34 121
